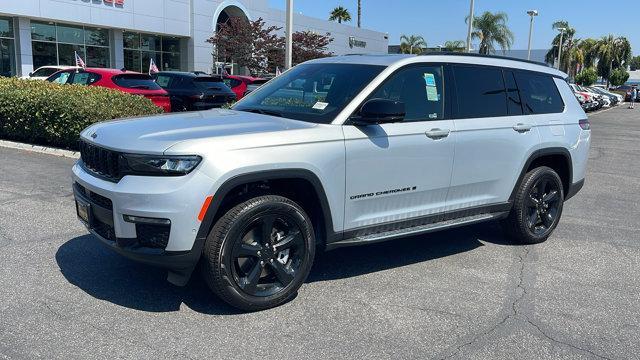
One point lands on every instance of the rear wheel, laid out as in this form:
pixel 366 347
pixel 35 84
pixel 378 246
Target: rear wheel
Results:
pixel 259 253
pixel 537 206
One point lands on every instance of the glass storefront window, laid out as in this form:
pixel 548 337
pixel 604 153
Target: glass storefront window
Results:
pixel 140 48
pixel 7 48
pixel 70 34
pixel 43 31
pixel 55 44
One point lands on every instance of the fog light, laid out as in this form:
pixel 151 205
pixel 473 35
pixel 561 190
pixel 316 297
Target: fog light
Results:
pixel 145 220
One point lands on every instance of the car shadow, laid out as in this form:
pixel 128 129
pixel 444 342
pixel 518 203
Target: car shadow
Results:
pixel 105 275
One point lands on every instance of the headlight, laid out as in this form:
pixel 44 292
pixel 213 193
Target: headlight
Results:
pixel 157 165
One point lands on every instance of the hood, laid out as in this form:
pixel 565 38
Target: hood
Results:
pixel 155 134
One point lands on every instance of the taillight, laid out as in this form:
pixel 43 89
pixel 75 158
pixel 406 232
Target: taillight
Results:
pixel 584 124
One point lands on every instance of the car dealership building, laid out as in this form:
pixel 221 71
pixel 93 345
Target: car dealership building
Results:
pixel 128 33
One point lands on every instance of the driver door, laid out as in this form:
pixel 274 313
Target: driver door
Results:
pixel 398 174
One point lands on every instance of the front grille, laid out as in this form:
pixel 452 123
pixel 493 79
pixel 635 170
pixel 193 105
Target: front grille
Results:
pixel 95 198
pixel 153 236
pixel 101 161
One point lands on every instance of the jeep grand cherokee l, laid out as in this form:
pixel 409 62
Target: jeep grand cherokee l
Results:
pixel 335 152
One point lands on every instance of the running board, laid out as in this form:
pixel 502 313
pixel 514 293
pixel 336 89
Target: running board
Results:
pixel 417 230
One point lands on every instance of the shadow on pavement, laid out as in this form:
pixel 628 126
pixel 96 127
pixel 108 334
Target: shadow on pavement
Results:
pixel 105 275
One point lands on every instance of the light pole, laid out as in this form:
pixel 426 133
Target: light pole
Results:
pixel 288 49
pixel 562 30
pixel 532 13
pixel 470 28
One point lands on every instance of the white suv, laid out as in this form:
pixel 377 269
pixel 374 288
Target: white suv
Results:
pixel 335 152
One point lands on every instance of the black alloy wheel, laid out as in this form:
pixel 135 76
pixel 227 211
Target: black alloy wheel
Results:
pixel 537 206
pixel 259 253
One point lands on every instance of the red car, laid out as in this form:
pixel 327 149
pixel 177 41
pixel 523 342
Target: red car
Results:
pixel 126 81
pixel 239 84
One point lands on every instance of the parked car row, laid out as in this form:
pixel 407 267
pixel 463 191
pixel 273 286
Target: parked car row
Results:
pixel 593 98
pixel 170 90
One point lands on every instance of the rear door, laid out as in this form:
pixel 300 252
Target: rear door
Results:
pixel 493 137
pixel 399 173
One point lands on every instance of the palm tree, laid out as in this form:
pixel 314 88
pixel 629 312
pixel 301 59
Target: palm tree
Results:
pixel 340 14
pixel 455 45
pixel 589 51
pixel 612 53
pixel 412 44
pixel 568 43
pixel 491 29
pixel 359 12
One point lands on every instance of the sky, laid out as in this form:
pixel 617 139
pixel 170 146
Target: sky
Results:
pixel 441 20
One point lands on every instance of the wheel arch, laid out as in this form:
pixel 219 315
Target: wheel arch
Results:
pixel 557 158
pixel 224 197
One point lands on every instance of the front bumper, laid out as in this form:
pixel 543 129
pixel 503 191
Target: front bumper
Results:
pixel 176 199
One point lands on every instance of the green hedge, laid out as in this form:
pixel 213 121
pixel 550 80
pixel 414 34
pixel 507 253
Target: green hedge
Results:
pixel 44 113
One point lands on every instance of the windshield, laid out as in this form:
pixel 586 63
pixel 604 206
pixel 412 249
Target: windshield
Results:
pixel 44 72
pixel 310 92
pixel 136 81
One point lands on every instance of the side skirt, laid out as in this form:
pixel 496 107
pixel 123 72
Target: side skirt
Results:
pixel 423 225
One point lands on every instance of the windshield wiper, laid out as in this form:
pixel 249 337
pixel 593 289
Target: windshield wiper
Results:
pixel 263 112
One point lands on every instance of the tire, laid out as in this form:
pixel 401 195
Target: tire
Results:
pixel 238 266
pixel 537 206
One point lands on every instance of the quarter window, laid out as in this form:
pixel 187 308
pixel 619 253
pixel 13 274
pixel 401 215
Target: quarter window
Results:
pixel 539 93
pixel 420 88
pixel 480 92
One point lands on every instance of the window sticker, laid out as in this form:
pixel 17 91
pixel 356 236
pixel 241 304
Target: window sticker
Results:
pixel 432 93
pixel 429 79
pixel 320 105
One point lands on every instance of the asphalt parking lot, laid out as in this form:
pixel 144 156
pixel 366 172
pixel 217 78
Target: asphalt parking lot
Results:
pixel 465 294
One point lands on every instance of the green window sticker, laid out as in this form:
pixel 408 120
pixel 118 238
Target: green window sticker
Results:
pixel 432 93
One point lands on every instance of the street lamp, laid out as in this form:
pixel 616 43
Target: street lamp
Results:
pixel 288 49
pixel 532 13
pixel 470 28
pixel 562 30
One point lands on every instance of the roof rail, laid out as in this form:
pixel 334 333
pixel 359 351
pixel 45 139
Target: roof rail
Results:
pixel 455 53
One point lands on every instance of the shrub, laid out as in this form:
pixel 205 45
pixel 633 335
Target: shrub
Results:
pixel 587 77
pixel 618 77
pixel 44 113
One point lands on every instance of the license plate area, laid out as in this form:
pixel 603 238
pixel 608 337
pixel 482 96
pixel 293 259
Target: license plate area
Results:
pixel 83 209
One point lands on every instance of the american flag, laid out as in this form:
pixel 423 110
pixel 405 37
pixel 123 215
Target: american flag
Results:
pixel 79 61
pixel 223 71
pixel 278 72
pixel 153 69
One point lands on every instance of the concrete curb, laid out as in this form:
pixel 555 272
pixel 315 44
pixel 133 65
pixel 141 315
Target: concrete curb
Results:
pixel 40 149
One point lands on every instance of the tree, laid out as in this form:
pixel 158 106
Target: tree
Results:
pixel 359 12
pixel 612 53
pixel 568 45
pixel 455 45
pixel 491 29
pixel 412 44
pixel 248 43
pixel 340 14
pixel 587 77
pixel 588 48
pixel 618 77
pixel 635 63
pixel 306 46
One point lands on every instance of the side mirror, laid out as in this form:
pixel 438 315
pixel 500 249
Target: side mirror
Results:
pixel 380 111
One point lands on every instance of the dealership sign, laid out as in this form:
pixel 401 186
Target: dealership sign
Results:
pixel 353 42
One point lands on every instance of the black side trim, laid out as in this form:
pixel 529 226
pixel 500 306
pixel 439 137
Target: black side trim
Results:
pixel 536 155
pixel 426 220
pixel 207 222
pixel 574 189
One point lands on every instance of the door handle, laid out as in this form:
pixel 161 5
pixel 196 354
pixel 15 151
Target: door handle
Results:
pixel 522 128
pixel 437 134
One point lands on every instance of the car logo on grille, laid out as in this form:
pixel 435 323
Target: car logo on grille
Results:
pixel 94 135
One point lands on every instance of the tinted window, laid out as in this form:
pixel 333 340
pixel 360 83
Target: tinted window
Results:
pixel 232 82
pixel 480 92
pixel 539 93
pixel 514 104
pixel 136 81
pixel 59 78
pixel 208 82
pixel 85 78
pixel 420 88
pixel 163 80
pixel 311 92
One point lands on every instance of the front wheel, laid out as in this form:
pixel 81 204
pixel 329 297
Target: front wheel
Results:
pixel 537 206
pixel 259 253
